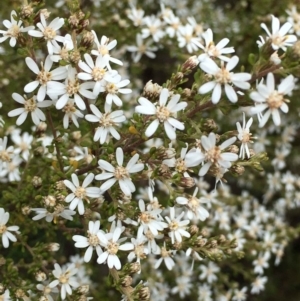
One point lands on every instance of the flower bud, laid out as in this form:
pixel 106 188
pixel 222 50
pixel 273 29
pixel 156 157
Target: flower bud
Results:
pixel 26 210
pixel 127 281
pixel 193 230
pixel 164 153
pixel 50 200
pixel 191 63
pixel 209 125
pixel 75 56
pixel 134 267
pixel 87 39
pixel 238 169
pixel 151 91
pixel 83 289
pixel 53 247
pixel 187 182
pixel 1 288
pixel 42 127
pixel 36 181
pixel 144 293
pixel 233 149
pixel 26 11
pixel 40 276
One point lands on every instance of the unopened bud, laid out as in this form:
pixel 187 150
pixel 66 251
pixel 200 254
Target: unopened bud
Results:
pixel 135 267
pixel 26 210
pixel 20 293
pixel 191 63
pixel 26 11
pixel 42 127
pixel 164 153
pixel 193 229
pixel 40 276
pixel 144 293
pixel 74 21
pixel 53 247
pixel 187 93
pixel 152 91
pixel 222 238
pixel 238 169
pixel 50 200
pixel 60 185
pixel 76 135
pixel 164 171
pixel 187 182
pixel 1 288
pixel 127 281
pixel 201 242
pixel 83 289
pixel 213 243
pixel 87 39
pixel 178 77
pixel 75 56
pixel 36 181
pixel 43 298
pixel 233 149
pixel 209 125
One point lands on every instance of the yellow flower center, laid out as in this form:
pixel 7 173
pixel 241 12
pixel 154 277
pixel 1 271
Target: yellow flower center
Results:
pixel 223 76
pixel 80 192
pixel 98 73
pixel 93 240
pixel 2 229
pixel 112 248
pixel 73 87
pixel 13 31
pixel 275 100
pixel 49 33
pixel 30 105
pixel 162 113
pixel 213 154
pixel 121 173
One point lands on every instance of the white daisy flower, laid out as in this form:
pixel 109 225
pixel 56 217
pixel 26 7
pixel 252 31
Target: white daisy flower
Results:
pixel 176 226
pixel 111 242
pixel 149 219
pixel 104 47
pixel 279 37
pixel 115 87
pixel 62 52
pixel 48 32
pixel 139 251
pixel 195 210
pixel 186 38
pixel 91 242
pixel 59 211
pixel 153 28
pixel 223 77
pixel 14 28
pixel 71 89
pixel 258 285
pixel 212 50
pixel 47 290
pixel 5 231
pixel 11 170
pixel 136 15
pixel 267 97
pixel 65 279
pixel 22 144
pixel 6 153
pixel 80 193
pixel 209 272
pixel 96 71
pixel 142 47
pixel 244 136
pixel 107 122
pixel 166 257
pixel 163 113
pixel 30 106
pixel 119 173
pixel 214 155
pixel 71 114
pixel 44 76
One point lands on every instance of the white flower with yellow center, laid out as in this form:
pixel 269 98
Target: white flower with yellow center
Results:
pixel 166 256
pixel 44 76
pixel 14 28
pixel 65 278
pixel 96 71
pixel 81 193
pixel 115 87
pixel 245 137
pixel 6 154
pixel 107 122
pixel 71 114
pixel 149 219
pixel 223 77
pixel 91 242
pixel 48 32
pixel 279 37
pixel 30 106
pixel 142 47
pixel 5 231
pixel 194 207
pixel 212 50
pixel 187 38
pixel 214 155
pixel 119 173
pixel 104 47
pixel 72 88
pixel 176 226
pixel 268 98
pixel 110 241
pixel 163 113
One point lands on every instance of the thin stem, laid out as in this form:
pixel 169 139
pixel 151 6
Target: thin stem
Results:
pixel 58 154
